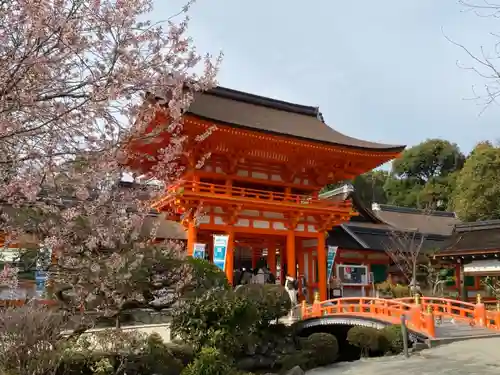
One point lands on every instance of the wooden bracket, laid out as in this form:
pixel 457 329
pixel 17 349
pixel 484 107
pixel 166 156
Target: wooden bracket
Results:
pixel 293 219
pixel 327 222
pixel 233 160
pixel 231 214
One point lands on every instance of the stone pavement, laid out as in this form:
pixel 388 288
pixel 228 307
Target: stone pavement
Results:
pixel 471 357
pixel 447 329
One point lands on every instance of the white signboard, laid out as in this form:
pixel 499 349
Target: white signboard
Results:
pixel 352 274
pixel 482 267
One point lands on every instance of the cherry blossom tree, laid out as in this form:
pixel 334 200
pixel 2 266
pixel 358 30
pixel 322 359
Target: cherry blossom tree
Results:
pixel 483 61
pixel 74 77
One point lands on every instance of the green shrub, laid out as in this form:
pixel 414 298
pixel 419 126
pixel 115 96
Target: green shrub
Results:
pixel 149 356
pixel 182 352
pixel 210 361
pixel 368 339
pixel 271 301
pixel 401 291
pixel 205 276
pixel 299 358
pixel 394 290
pixel 384 287
pixel 394 338
pixel 218 319
pixel 321 348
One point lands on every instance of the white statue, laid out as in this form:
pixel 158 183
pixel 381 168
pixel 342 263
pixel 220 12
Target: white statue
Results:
pixel 292 289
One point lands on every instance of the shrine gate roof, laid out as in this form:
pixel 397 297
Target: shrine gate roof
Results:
pixel 253 112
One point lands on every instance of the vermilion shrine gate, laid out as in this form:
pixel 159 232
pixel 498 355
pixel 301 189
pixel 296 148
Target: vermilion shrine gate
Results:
pixel 269 160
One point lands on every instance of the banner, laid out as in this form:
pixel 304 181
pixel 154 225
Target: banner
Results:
pixel 43 261
pixel 330 259
pixel 41 278
pixel 199 251
pixel 220 250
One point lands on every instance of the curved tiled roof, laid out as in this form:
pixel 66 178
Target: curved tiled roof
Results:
pixel 236 108
pixel 475 237
pixel 374 228
pixel 429 222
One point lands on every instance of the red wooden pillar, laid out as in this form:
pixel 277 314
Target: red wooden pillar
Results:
pixel 291 260
pixel 282 265
pixel 458 277
pixel 191 237
pixel 271 256
pixel 230 256
pixel 322 267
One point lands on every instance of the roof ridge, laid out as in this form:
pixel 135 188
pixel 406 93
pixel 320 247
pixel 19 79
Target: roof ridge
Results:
pixel 478 225
pixel 281 105
pixel 411 210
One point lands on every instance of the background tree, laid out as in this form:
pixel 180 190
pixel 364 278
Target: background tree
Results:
pixel 423 175
pixel 436 277
pixel 73 80
pixel 370 187
pixel 31 341
pixel 135 276
pixel 477 192
pixel 406 250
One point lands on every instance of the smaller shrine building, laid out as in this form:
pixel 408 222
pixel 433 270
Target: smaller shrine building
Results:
pixel 473 252
pixel 364 243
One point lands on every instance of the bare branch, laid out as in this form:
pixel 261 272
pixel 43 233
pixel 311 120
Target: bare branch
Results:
pixel 483 64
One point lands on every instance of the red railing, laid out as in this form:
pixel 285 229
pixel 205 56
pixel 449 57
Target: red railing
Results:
pixel 445 307
pixel 22 302
pixel 188 188
pixel 420 312
pixel 473 313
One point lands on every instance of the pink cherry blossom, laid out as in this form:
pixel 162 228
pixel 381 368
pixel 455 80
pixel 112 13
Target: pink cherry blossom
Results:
pixel 74 76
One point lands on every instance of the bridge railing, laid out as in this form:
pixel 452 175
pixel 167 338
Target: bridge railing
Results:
pixel 421 312
pixel 386 310
pixel 474 314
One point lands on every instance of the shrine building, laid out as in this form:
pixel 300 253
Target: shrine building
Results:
pixel 260 186
pixel 473 253
pixel 366 240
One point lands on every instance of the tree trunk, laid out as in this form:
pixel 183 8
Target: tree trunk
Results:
pixel 413 282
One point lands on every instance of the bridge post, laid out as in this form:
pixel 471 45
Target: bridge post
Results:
pixel 316 308
pixel 404 332
pixel 429 322
pixel 480 312
pixel 497 316
pixel 416 313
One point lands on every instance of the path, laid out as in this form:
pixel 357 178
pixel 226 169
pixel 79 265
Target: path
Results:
pixel 448 330
pixel 472 357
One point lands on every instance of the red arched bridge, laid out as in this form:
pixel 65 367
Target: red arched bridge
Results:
pixel 429 317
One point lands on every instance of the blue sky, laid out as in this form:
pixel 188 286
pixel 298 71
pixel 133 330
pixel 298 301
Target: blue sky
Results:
pixel 379 70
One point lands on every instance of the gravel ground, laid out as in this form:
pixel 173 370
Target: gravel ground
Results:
pixel 479 356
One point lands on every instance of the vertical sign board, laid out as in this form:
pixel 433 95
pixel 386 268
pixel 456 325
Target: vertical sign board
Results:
pixel 330 259
pixel 43 261
pixel 199 251
pixel 40 280
pixel 220 250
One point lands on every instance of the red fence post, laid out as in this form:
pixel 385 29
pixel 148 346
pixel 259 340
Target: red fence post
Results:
pixel 480 312
pixel 304 310
pixel 430 327
pixel 416 313
pixel 316 309
pixel 497 316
